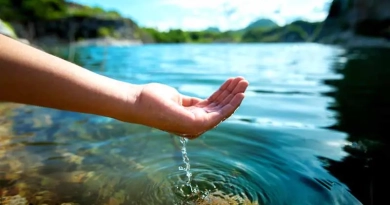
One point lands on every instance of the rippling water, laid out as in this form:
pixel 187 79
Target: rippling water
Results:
pixel 290 142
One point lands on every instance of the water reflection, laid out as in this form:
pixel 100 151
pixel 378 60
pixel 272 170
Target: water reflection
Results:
pixel 363 107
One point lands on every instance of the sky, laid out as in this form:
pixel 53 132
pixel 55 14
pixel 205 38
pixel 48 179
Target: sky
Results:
pixel 223 14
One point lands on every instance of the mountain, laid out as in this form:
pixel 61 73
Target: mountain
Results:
pixel 213 29
pixel 262 23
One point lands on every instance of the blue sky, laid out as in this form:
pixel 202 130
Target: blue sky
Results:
pixel 224 14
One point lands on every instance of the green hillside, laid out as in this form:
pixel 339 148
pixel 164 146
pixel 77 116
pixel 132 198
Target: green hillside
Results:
pixel 262 23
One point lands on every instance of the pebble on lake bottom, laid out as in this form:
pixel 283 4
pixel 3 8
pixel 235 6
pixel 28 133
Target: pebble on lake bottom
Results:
pixel 219 198
pixel 13 200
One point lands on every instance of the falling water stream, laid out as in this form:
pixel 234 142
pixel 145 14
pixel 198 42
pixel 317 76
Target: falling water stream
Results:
pixel 186 160
pixel 187 165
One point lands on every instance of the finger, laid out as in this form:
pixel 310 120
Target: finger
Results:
pixel 227 110
pixel 187 101
pixel 240 88
pixel 229 89
pixel 220 90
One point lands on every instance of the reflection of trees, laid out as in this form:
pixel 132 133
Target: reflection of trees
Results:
pixel 363 106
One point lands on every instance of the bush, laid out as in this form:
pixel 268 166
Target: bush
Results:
pixel 37 10
pixel 86 11
pixel 105 32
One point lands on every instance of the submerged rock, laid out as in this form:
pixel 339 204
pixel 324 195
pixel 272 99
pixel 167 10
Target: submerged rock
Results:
pixel 219 198
pixel 13 200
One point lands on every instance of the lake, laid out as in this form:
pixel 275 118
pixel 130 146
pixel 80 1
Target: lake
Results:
pixel 312 130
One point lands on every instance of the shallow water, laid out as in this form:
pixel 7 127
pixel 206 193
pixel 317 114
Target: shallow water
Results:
pixel 310 130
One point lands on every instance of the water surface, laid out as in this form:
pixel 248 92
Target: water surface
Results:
pixel 308 132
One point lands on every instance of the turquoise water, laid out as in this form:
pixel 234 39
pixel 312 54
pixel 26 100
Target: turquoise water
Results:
pixel 286 144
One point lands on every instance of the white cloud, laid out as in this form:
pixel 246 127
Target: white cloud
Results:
pixel 235 14
pixel 192 4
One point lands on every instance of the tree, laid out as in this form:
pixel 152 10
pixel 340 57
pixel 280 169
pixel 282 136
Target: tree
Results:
pixel 31 10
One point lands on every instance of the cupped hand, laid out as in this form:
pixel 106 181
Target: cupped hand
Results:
pixel 163 107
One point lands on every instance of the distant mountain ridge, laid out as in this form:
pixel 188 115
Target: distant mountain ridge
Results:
pixel 212 29
pixel 262 23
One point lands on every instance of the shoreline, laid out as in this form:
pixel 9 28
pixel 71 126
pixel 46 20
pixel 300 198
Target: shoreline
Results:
pixel 344 39
pixel 107 42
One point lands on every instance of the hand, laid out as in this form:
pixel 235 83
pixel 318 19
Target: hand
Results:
pixel 164 108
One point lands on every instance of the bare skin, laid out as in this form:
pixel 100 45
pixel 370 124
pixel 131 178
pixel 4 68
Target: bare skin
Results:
pixel 30 76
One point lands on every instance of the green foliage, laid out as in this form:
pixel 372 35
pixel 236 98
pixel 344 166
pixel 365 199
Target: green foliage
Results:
pixel 272 38
pixel 45 9
pixel 38 10
pixel 86 11
pixel 177 36
pixel 296 31
pixel 6 9
pixel 172 36
pixel 32 10
pixel 254 35
pixel 180 36
pixel 104 32
pixel 266 31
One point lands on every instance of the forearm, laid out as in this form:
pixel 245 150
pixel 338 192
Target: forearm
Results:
pixel 30 76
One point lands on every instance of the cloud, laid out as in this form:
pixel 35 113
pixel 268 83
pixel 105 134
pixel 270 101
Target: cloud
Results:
pixel 236 14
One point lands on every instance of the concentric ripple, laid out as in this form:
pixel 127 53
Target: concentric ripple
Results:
pixel 211 177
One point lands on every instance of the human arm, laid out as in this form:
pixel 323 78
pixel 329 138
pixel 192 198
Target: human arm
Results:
pixel 31 76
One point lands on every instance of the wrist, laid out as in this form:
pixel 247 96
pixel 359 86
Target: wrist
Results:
pixel 127 109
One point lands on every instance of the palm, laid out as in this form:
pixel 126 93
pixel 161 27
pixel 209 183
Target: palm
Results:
pixel 219 106
pixel 189 116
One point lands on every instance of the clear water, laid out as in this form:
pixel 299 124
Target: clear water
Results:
pixel 303 134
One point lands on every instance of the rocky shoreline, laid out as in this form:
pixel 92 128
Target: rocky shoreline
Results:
pixel 50 41
pixel 108 42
